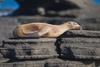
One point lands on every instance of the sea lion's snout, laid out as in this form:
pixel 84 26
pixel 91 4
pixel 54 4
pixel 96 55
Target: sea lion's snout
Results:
pixel 77 26
pixel 74 25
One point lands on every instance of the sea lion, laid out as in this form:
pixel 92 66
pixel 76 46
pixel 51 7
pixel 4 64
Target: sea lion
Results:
pixel 44 29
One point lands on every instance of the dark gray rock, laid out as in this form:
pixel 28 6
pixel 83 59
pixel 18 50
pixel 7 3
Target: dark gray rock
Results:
pixel 29 48
pixel 49 63
pixel 3 59
pixel 74 48
pixel 72 44
pixel 78 45
pixel 6 26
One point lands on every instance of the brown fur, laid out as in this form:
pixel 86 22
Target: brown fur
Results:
pixel 45 29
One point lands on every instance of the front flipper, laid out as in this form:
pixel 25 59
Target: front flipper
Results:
pixel 44 31
pixel 32 34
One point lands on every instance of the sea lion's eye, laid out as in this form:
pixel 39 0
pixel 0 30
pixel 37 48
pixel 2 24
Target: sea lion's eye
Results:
pixel 75 23
pixel 69 23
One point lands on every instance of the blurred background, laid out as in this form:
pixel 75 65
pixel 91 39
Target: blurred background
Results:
pixel 21 7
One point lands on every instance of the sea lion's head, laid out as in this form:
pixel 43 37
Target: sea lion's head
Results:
pixel 73 25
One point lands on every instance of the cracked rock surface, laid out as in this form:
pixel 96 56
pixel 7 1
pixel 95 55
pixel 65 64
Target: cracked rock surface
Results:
pixel 74 48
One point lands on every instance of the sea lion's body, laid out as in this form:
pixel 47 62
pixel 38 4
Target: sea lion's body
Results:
pixel 42 29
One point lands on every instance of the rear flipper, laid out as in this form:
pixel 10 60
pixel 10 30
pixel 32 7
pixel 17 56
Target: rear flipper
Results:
pixel 33 34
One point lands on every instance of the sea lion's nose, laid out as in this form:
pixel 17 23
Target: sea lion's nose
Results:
pixel 78 27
